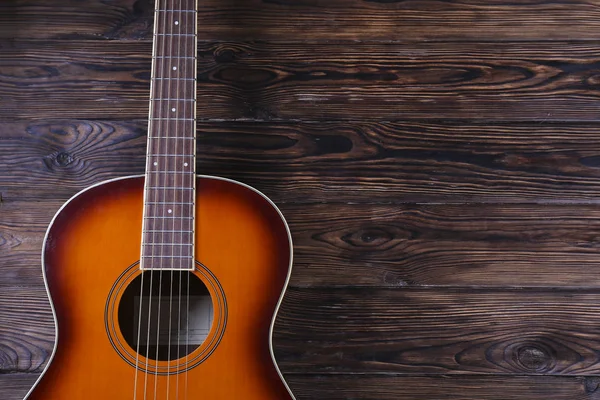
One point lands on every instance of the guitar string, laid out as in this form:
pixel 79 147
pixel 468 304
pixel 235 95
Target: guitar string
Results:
pixel 187 334
pixel 139 330
pixel 156 200
pixel 194 23
pixel 166 133
pixel 147 185
pixel 178 164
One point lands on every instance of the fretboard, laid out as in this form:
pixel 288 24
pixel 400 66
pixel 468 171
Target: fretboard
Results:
pixel 169 197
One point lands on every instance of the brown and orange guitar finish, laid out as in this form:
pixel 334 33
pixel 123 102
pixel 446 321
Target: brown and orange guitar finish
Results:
pixel 92 248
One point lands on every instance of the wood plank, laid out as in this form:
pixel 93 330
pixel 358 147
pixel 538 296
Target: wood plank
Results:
pixel 397 387
pixel 542 82
pixel 441 245
pixel 407 331
pixel 71 19
pixel 496 20
pixel 26 329
pixel 327 162
pixel 16 386
pixel 439 331
pixel 388 245
pixel 299 20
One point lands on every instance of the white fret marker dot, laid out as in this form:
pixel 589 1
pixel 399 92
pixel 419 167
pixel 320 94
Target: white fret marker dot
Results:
pixel 176 22
pixel 174 68
pixel 169 211
pixel 173 109
pixel 185 164
pixel 155 163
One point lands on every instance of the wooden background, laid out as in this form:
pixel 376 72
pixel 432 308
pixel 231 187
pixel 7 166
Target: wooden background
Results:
pixel 438 162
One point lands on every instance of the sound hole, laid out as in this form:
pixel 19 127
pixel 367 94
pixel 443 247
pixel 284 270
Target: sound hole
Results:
pixel 169 317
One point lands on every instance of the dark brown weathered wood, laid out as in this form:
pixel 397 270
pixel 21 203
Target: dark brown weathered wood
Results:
pixel 308 20
pixel 332 162
pixel 16 386
pixel 439 331
pixel 26 329
pixel 440 245
pixel 389 245
pixel 72 19
pixel 398 387
pixel 540 82
pixel 368 387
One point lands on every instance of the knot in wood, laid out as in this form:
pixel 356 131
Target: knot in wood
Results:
pixel 63 159
pixel 591 384
pixel 534 358
pixel 224 55
pixel 371 237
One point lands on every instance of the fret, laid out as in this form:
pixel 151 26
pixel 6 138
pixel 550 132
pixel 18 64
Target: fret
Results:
pixel 175 47
pixel 168 203
pixel 172 172
pixel 167 244
pixel 174 57
pixel 185 67
pixel 173 119
pixel 172 99
pixel 170 145
pixel 170 155
pixel 168 256
pixel 172 79
pixel 169 231
pixel 184 196
pixel 173 137
pixel 168 187
pixel 171 110
pixel 175 11
pixel 174 34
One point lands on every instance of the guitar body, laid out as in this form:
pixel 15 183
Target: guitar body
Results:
pixel 91 254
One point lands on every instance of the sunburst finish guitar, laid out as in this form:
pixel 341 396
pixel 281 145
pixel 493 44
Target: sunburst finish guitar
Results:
pixel 165 286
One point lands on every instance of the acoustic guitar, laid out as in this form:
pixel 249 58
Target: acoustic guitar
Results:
pixel 166 286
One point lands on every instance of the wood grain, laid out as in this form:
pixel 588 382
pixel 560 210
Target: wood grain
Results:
pixel 389 245
pixel 542 82
pixel 300 20
pixel 398 387
pixel 395 387
pixel 358 162
pixel 441 331
pixel 442 245
pixel 26 329
pixel 15 386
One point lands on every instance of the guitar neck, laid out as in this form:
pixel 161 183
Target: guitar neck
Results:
pixel 169 197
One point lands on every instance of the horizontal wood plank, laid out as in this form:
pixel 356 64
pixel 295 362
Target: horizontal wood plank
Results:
pixel 16 386
pixel 358 162
pixel 72 19
pixel 388 245
pixel 26 329
pixel 398 387
pixel 349 20
pixel 439 331
pixel 368 387
pixel 439 245
pixel 540 82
